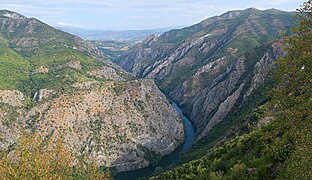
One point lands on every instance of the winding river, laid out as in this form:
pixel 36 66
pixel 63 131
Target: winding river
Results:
pixel 168 160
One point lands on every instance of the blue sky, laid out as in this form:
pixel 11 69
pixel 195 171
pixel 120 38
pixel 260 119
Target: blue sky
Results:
pixel 134 14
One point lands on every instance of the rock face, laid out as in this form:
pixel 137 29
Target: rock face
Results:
pixel 107 73
pixel 215 66
pixel 41 69
pixel 11 97
pixel 42 94
pixel 110 122
pixel 12 15
pixel 64 88
pixel 231 84
pixel 71 64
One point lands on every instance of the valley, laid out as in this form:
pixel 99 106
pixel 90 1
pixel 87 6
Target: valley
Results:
pixel 226 98
pixel 216 70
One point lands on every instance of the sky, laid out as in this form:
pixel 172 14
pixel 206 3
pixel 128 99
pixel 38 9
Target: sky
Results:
pixel 134 14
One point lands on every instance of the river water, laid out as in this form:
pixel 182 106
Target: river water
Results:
pixel 168 160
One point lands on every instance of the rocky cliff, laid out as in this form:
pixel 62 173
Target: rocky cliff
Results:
pixel 110 122
pixel 215 66
pixel 56 85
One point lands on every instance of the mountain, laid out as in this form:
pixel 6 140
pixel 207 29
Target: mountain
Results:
pixel 249 125
pixel 279 146
pixel 217 70
pixel 114 35
pixel 56 85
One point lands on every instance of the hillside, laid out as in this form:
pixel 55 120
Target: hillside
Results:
pixel 280 145
pixel 56 85
pixel 76 109
pixel 267 153
pixel 216 70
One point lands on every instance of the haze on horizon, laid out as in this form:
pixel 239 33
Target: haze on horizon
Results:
pixel 129 15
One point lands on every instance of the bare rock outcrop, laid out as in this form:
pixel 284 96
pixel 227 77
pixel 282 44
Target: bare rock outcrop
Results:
pixel 43 94
pixel 99 110
pixel 107 73
pixel 108 121
pixel 71 64
pixel 11 97
pixel 201 66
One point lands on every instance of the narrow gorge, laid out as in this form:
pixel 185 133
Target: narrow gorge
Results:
pixel 215 70
pixel 226 98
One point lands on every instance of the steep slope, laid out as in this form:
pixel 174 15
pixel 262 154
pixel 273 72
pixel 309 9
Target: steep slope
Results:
pixel 56 85
pixel 215 67
pixel 28 36
pixel 276 151
pixel 40 48
pixel 281 149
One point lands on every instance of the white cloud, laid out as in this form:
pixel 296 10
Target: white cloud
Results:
pixel 133 14
pixel 63 24
pixel 33 10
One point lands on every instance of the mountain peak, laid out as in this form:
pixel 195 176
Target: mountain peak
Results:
pixel 231 14
pixel 251 9
pixel 11 14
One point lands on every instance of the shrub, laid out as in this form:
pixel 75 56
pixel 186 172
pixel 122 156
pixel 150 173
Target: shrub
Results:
pixel 33 157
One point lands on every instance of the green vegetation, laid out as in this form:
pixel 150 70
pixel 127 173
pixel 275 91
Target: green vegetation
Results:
pixel 292 99
pixel 244 116
pixel 13 68
pixel 52 59
pixel 151 156
pixel 59 75
pixel 37 158
pixel 233 125
pixel 35 56
pixel 60 80
pixel 119 87
pixel 139 105
pixel 11 114
pixel 282 148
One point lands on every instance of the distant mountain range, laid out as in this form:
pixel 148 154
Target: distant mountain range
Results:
pixel 115 35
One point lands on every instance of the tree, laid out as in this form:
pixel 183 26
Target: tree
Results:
pixel 292 101
pixel 294 73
